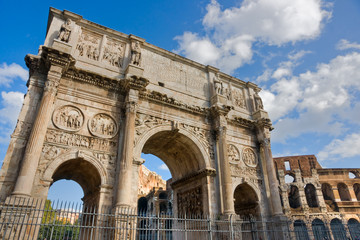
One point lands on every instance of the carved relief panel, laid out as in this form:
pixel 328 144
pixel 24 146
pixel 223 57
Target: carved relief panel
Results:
pixel 226 91
pixel 89 45
pixel 190 202
pixel 233 154
pixel 113 53
pixel 145 122
pixel 238 97
pixel 102 125
pixel 68 118
pixel 76 140
pixel 249 157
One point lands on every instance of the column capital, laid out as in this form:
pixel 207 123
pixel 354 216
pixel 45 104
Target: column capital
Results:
pixel 135 83
pixel 131 106
pixel 53 57
pixel 35 65
pixel 220 110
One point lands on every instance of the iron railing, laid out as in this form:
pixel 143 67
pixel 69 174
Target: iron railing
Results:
pixel 28 218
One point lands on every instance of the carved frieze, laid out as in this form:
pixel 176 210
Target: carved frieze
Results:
pixel 203 135
pixel 114 53
pixel 104 158
pixel 102 125
pixel 233 154
pixel 89 45
pixel 226 91
pixel 163 98
pixel 68 118
pixel 249 157
pixel 76 140
pixel 97 80
pixel 50 152
pixel 190 202
pixel 145 122
pixel 238 97
pixel 246 174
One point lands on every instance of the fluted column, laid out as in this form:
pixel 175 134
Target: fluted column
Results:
pixel 219 116
pixel 35 142
pixel 133 85
pixel 274 185
pixel 263 134
pixel 123 197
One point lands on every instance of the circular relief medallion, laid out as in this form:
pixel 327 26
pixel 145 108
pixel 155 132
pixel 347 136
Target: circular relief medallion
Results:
pixel 249 157
pixel 233 154
pixel 68 118
pixel 102 125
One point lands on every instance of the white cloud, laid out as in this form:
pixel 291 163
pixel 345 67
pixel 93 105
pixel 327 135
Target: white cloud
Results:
pixel 163 167
pixel 229 55
pixel 345 44
pixel 11 102
pixel 231 33
pixel 197 48
pixel 272 21
pixel 338 149
pixel 316 101
pixel 9 72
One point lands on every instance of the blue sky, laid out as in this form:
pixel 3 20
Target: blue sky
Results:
pixel 304 54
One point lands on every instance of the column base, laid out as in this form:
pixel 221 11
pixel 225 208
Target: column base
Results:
pixel 125 221
pixel 22 216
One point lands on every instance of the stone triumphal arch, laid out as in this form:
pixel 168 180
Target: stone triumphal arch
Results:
pixel 98 98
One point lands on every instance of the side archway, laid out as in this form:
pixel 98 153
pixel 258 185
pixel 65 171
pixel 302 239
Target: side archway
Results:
pixel 82 168
pixel 246 202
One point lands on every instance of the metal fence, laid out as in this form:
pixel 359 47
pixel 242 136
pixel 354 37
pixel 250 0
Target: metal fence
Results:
pixel 22 218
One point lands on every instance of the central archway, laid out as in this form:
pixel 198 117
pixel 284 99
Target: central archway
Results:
pixel 189 165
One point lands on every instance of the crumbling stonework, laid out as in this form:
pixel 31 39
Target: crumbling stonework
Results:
pixel 148 180
pixel 312 194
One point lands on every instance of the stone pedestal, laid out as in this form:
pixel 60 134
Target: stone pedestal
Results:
pixel 62 46
pixel 132 70
pixel 21 218
pixel 260 114
pixel 218 100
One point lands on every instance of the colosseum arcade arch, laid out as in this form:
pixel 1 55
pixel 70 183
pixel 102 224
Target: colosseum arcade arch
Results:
pixel 189 164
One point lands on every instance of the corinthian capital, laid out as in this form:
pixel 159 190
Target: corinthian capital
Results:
pixel 265 142
pixel 136 83
pixel 131 106
pixel 51 86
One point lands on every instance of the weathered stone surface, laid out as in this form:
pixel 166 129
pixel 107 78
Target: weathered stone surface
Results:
pixel 98 98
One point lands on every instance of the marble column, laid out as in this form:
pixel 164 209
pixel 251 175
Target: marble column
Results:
pixel 35 142
pixel 222 155
pixel 123 197
pixel 124 194
pixel 273 182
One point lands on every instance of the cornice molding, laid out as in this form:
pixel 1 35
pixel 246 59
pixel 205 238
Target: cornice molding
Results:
pixel 172 102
